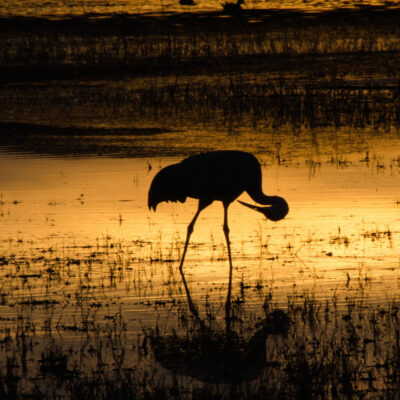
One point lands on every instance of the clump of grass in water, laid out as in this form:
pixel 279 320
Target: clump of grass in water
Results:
pixel 215 103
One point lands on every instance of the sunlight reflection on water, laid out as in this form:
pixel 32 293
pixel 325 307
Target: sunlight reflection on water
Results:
pixel 339 237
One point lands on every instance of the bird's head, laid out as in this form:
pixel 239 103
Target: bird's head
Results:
pixel 278 210
pixel 274 212
pixel 165 187
pixel 276 322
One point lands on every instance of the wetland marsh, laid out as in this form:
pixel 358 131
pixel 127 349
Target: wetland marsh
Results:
pixel 91 299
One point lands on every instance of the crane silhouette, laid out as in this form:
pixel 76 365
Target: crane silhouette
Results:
pixel 214 176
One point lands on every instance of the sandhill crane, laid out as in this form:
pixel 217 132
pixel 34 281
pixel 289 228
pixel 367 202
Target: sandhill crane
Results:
pixel 214 176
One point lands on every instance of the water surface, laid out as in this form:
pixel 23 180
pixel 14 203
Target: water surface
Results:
pixel 90 216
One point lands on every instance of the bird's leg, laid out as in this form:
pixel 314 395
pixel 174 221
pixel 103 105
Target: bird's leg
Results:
pixel 192 307
pixel 189 233
pixel 228 297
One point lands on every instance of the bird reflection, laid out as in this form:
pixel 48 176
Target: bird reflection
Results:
pixel 216 356
pixel 234 9
pixel 214 176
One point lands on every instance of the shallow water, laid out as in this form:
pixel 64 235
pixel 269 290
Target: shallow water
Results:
pixel 78 156
pixel 87 219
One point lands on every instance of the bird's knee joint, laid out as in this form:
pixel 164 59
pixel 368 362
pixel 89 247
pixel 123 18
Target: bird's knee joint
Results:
pixel 226 229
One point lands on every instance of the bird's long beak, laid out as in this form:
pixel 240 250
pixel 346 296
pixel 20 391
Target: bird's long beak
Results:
pixel 253 207
pixel 274 212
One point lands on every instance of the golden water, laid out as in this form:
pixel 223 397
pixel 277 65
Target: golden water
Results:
pixel 340 237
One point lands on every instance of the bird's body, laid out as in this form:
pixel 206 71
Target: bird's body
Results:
pixel 208 177
pixel 215 176
pixel 233 8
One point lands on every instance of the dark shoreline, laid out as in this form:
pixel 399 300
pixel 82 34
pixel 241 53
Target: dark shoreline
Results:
pixel 145 76
pixel 39 49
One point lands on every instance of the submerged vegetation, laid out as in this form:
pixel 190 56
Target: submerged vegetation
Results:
pixel 110 321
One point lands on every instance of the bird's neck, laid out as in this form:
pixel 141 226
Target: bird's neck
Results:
pixel 259 197
pixel 278 207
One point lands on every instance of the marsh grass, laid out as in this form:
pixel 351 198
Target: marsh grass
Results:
pixel 294 71
pixel 67 331
pixel 177 44
pixel 327 353
pixel 265 106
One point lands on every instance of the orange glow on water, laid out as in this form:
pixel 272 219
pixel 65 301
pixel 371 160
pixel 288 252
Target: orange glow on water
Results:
pixel 342 226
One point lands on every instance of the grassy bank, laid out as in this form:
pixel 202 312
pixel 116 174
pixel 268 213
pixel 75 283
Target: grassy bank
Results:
pixel 180 44
pixel 273 70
